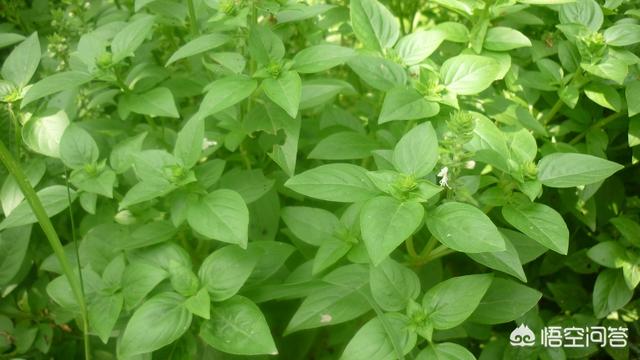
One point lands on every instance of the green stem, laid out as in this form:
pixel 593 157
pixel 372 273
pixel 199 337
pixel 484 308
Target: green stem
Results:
pixel 429 247
pixel 552 113
pixel 411 248
pixel 16 130
pixel 602 123
pixel 192 18
pixel 50 232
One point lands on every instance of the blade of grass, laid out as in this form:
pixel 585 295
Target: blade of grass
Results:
pixel 50 232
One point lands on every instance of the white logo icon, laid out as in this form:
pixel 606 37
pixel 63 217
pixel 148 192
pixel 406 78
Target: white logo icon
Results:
pixel 522 336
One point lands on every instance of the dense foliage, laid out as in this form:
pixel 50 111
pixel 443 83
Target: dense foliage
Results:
pixel 331 179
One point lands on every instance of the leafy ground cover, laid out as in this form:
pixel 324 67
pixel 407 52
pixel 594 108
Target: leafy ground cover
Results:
pixel 318 180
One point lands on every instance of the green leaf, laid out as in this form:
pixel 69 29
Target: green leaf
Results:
pixel 146 190
pixel 563 170
pixel 386 222
pixel 264 45
pixel 14 243
pixel 604 95
pixel 417 46
pixel 138 280
pixel 199 304
pixel 54 199
pixel 583 12
pixel 373 24
pixel 406 104
pixel 225 271
pixel 170 321
pixel 445 351
pixel 152 233
pixel 452 301
pixel 238 327
pixel 628 228
pixel 101 183
pixel 198 45
pixel 469 74
pixel 156 102
pixel 285 91
pixel 339 301
pixel 311 225
pixel 373 340
pixel 104 311
pixel 43 134
pixel 507 261
pixel 221 215
pixel 22 62
pixel 345 145
pixel 329 253
pixel 505 301
pixel 608 253
pixel 393 285
pixel 320 58
pixel 226 92
pixel 77 147
pixel 611 69
pixel 189 142
pixel 10 194
pixel 468 220
pixel 610 292
pixel 127 40
pixel 381 74
pixel 8 39
pixel 541 223
pixel 501 38
pixel 632 92
pixel 121 156
pixel 334 182
pixel 622 34
pixel 417 151
pixel 54 84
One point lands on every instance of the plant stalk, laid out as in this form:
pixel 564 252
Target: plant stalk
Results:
pixel 50 232
pixel 193 19
pixel 602 123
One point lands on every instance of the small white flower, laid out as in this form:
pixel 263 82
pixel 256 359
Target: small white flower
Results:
pixel 206 143
pixel 470 164
pixel 444 174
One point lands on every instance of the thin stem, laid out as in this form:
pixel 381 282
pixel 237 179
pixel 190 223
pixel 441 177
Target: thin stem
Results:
pixel 411 248
pixel 602 123
pixel 552 113
pixel 16 130
pixel 429 247
pixel 50 232
pixel 193 19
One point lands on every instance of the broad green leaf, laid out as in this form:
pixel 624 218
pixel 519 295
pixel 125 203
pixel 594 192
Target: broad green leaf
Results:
pixel 418 45
pixel 127 40
pixel 138 280
pixel 469 74
pixel 104 311
pixel 393 285
pixel 250 184
pixel 77 147
pixel 311 225
pixel 238 327
pixel 541 223
pixel 43 134
pixel 226 92
pixel 264 45
pixel 198 45
pixel 501 38
pixel 329 253
pixel 8 39
pixel 452 301
pixel 170 321
pixel 285 91
pixel 417 151
pixel 100 183
pixel 632 92
pixel 608 253
pixel 14 243
pixel 406 104
pixel 563 170
pixel 505 301
pixel 156 102
pixel 452 222
pixel 610 292
pixel 146 190
pixel 334 182
pixel 301 11
pixel 386 222
pixel 373 24
pixel 225 271
pixel 54 84
pixel 604 95
pixel 622 34
pixel 10 194
pixel 121 156
pixel 507 261
pixel 317 92
pixel 381 74
pixel 345 145
pixel 199 304
pixel 22 62
pixel 221 215
pixel 611 69
pixel 629 229
pixel 339 301
pixel 189 142
pixel 54 199
pixel 583 12
pixel 152 233
pixel 373 340
pixel 320 58
pixel 445 351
